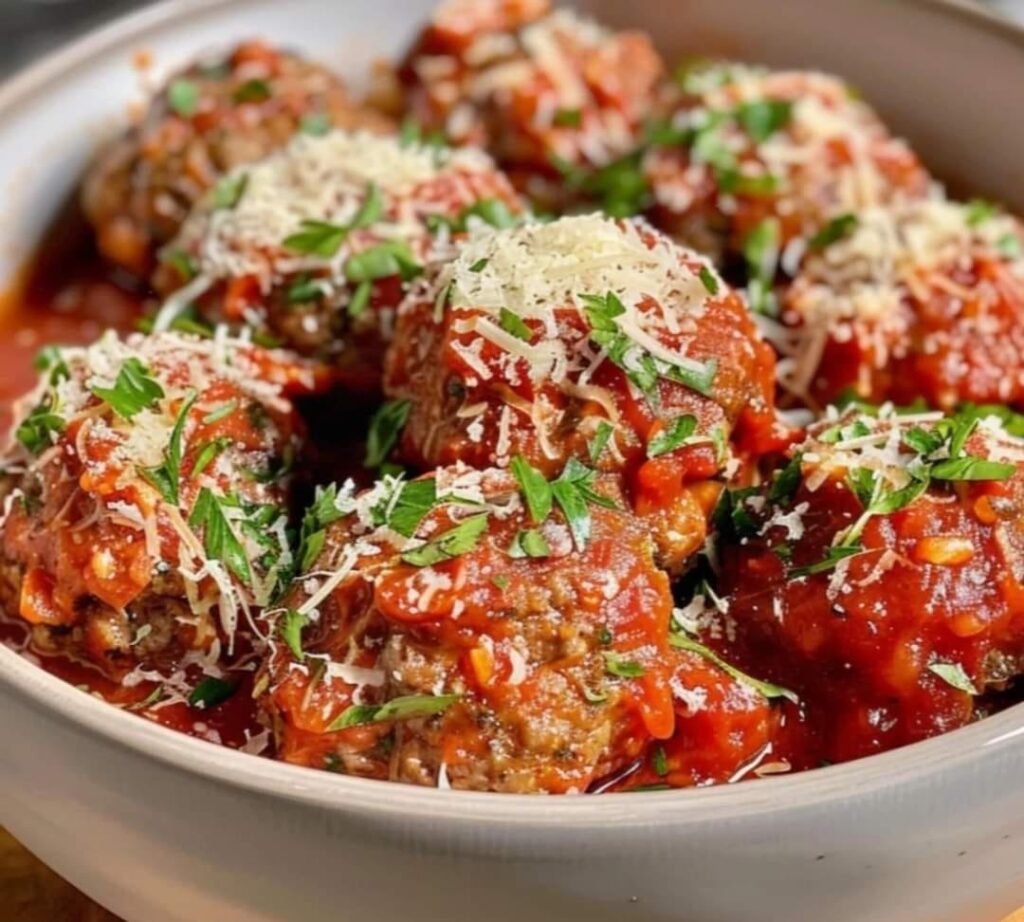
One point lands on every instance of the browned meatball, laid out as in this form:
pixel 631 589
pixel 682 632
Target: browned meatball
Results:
pixel 542 90
pixel 211 117
pixel 144 519
pixel 485 650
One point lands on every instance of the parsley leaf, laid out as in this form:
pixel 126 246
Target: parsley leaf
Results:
pixel 835 230
pixel 567 118
pixel 600 440
pixel 403 708
pixel 672 436
pixel 183 97
pixel 166 476
pixel 833 556
pixel 385 426
pixel 615 665
pixel 255 90
pixel 767 689
pixel 954 674
pixel 315 124
pixel 415 499
pixel 535 488
pixel 572 491
pixel 211 691
pixel 133 391
pixel 979 211
pixel 320 513
pixel 317 238
pixel 971 468
pixel 761 118
pixel 453 543
pixel 514 324
pixel 761 253
pixel 709 280
pixel 36 430
pixel 219 539
pixel 290 628
pixel 529 542
pixel 229 190
pixel 381 261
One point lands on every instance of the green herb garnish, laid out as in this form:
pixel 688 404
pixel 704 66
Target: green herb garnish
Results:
pixel 134 390
pixel 404 708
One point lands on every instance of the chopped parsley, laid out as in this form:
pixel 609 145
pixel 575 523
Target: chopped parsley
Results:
pixel 229 189
pixel 567 118
pixel 385 427
pixel 208 452
pixel 572 491
pixel 381 261
pixel 183 97
pixel 978 211
pixel 834 231
pixel 360 299
pixel 953 674
pixel 211 691
pixel 459 540
pixel 134 390
pixel 315 124
pixel 529 542
pixel 615 665
pixel 320 513
pixel 769 690
pixel 709 280
pixel 600 440
pixel 219 538
pixel 317 238
pixel 403 708
pixel 255 90
pixel 536 490
pixel 639 366
pixel 672 436
pixel 514 325
pixel 761 118
pixel 761 254
pixel 408 506
pixel 290 628
pixel 165 477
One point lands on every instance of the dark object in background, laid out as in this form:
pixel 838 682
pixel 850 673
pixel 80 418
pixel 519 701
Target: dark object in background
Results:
pixel 30 27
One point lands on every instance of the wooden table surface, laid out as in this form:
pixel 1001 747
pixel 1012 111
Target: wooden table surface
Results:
pixel 31 892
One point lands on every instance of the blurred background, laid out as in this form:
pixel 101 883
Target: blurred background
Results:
pixel 30 27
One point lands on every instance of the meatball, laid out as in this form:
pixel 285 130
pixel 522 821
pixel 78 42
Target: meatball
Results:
pixel 213 116
pixel 880 575
pixel 584 338
pixel 921 302
pixel 754 160
pixel 314 245
pixel 144 501
pixel 454 630
pixel 542 91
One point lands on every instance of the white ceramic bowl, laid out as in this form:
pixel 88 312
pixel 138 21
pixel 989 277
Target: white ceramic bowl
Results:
pixel 157 826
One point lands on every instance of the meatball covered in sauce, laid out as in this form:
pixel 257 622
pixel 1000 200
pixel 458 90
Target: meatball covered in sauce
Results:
pixel 314 246
pixel 585 338
pixel 925 302
pixel 544 91
pixel 464 630
pixel 144 512
pixel 880 575
pixel 213 116
pixel 756 160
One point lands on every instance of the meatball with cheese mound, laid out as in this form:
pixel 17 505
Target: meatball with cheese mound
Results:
pixel 208 119
pixel 145 499
pixel 544 91
pixel 479 630
pixel 881 575
pixel 754 161
pixel 585 338
pixel 314 246
pixel 925 302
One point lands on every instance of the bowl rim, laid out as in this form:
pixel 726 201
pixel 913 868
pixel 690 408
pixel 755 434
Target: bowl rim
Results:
pixel 558 817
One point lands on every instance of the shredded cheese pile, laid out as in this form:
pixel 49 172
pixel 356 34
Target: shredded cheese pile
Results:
pixel 325 179
pixel 539 270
